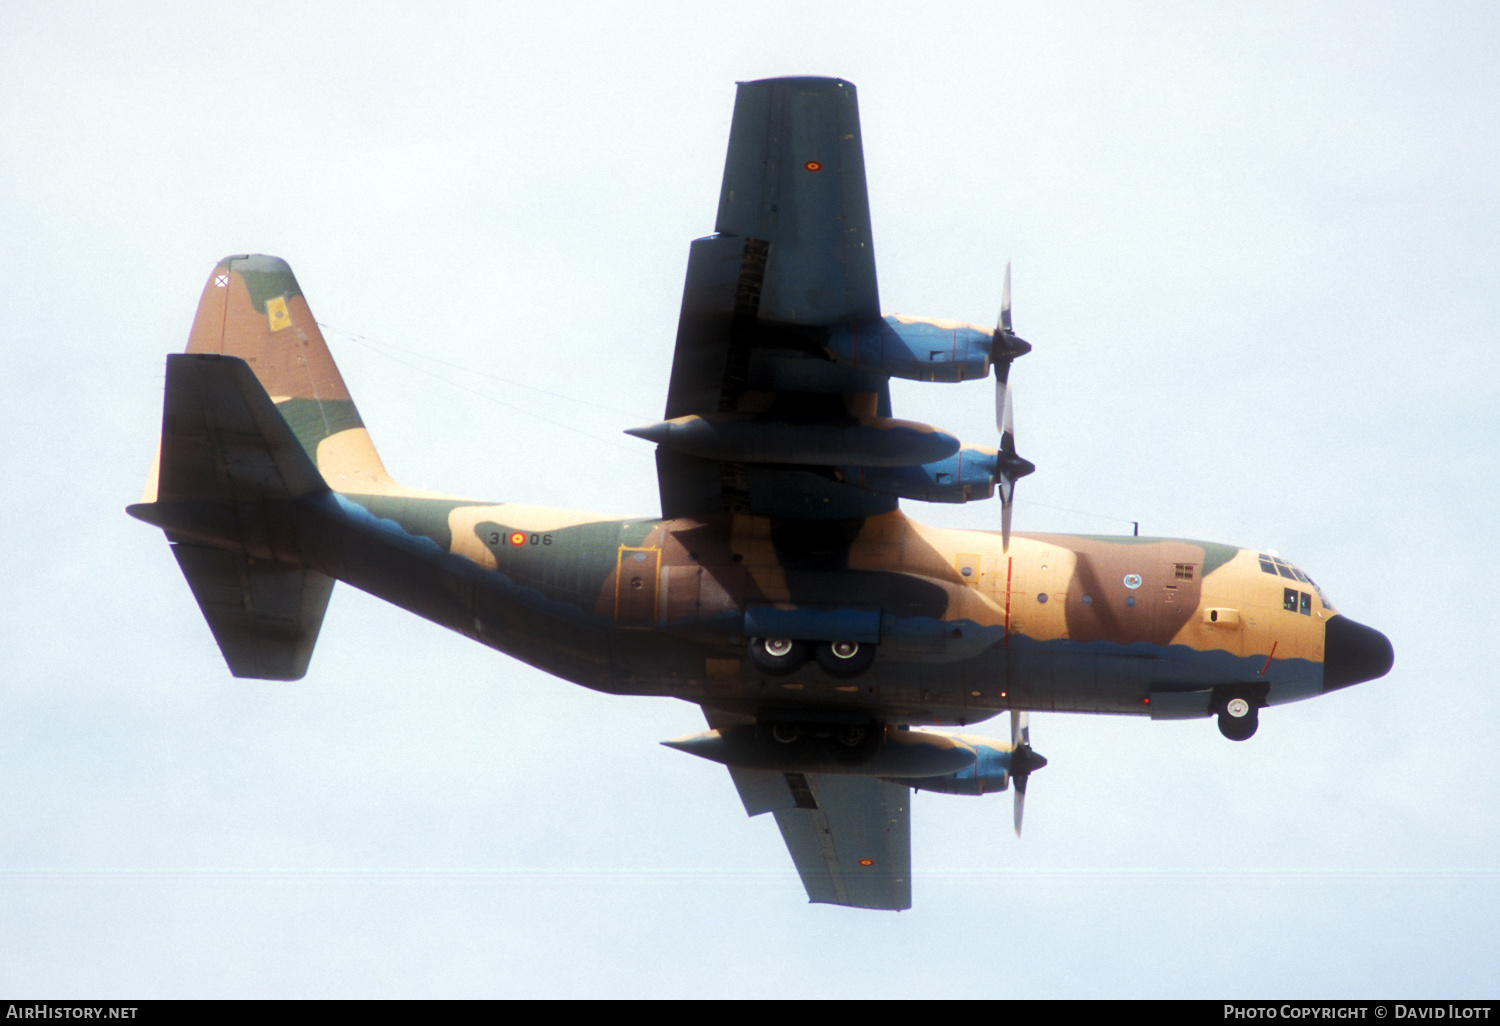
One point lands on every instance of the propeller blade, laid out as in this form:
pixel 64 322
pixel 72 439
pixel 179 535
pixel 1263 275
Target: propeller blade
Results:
pixel 1007 497
pixel 1023 760
pixel 1004 349
pixel 1020 740
pixel 1005 303
pixel 1004 405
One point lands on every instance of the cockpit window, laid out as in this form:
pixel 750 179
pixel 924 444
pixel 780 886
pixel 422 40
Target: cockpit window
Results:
pixel 1276 565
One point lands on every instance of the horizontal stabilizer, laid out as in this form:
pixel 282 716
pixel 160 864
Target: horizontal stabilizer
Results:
pixel 265 616
pixel 230 466
pixel 221 432
pixel 228 494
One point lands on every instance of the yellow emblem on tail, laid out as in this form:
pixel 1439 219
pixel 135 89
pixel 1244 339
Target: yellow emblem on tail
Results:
pixel 277 314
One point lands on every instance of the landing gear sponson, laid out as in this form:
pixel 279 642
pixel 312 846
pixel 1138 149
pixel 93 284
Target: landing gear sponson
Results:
pixel 777 657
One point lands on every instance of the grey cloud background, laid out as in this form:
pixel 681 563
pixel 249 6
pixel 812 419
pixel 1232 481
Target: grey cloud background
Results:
pixel 1255 249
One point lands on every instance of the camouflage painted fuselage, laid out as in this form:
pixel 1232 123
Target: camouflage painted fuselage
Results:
pixel 659 607
pixel 962 626
pixel 782 589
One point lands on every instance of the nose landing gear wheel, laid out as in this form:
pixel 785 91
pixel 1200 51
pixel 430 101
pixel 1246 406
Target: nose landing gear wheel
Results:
pixel 777 657
pixel 845 658
pixel 1239 719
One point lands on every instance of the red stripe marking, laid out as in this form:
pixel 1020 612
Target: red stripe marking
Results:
pixel 1266 667
pixel 1008 563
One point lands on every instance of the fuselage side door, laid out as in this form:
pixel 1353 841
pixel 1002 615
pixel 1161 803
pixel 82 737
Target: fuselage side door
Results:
pixel 637 572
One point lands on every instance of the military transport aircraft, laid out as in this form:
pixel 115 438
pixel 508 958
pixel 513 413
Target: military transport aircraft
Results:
pixel 782 588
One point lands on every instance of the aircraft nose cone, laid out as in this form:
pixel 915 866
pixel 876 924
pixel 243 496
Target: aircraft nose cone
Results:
pixel 1353 652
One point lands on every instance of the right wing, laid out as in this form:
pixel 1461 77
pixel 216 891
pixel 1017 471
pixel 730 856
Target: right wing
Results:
pixel 849 836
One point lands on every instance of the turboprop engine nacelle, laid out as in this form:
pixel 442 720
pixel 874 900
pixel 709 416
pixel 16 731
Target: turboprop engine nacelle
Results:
pixel 967 475
pixel 988 773
pixel 916 348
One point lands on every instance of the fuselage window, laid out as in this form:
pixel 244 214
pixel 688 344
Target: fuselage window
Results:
pixel 1306 607
pixel 1285 571
pixel 1266 565
pixel 1294 601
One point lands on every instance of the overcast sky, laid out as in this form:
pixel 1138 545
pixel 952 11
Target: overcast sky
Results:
pixel 1255 247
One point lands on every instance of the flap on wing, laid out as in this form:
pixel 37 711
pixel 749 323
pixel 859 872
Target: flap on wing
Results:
pixel 762 790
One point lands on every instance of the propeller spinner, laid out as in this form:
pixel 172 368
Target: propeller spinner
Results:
pixel 1007 345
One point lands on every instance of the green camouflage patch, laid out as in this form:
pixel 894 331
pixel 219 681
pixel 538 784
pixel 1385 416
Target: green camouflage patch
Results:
pixel 266 283
pixel 313 420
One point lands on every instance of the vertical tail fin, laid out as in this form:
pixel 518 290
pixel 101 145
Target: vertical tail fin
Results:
pixel 243 443
pixel 253 308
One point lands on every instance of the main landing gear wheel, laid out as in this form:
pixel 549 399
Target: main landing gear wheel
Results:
pixel 845 658
pixel 853 744
pixel 1238 719
pixel 848 744
pixel 777 657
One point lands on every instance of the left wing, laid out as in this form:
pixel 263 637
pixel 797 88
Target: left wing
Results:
pixel 779 403
pixel 850 836
pixel 791 256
